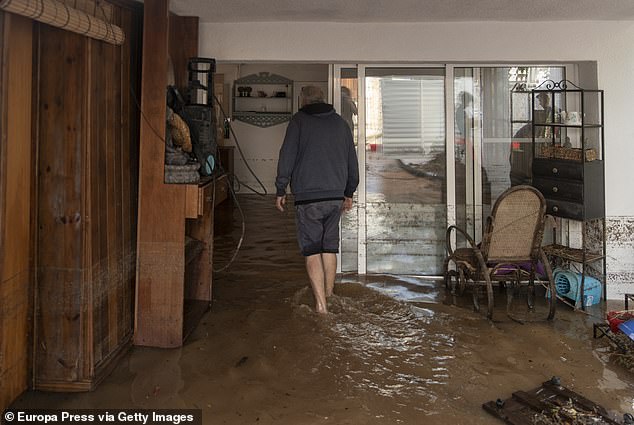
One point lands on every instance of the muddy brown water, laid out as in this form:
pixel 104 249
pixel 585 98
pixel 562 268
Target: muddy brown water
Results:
pixel 394 349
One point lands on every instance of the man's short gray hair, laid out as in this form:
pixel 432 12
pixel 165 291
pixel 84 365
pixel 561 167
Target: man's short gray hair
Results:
pixel 312 94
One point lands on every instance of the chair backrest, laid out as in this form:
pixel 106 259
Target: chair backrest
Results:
pixel 516 226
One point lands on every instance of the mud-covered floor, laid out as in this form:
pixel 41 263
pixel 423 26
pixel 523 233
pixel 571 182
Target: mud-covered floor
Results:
pixel 392 350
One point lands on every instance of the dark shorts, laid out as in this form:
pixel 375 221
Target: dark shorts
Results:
pixel 318 227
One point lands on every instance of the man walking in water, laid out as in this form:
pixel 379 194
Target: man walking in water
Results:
pixel 319 160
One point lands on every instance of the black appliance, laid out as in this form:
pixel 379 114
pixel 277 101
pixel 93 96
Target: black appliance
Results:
pixel 199 111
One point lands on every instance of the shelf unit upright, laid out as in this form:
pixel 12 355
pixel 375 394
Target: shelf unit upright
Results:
pixel 568 168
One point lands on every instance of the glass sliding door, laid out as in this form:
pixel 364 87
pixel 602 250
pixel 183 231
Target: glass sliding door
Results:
pixel 409 190
pixel 405 205
pixel 492 135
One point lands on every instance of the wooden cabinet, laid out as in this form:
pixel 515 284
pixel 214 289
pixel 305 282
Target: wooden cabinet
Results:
pixel 86 210
pixel 199 231
pixel 175 237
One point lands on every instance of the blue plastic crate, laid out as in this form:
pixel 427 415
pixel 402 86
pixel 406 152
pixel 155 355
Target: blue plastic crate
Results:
pixel 567 284
pixel 628 328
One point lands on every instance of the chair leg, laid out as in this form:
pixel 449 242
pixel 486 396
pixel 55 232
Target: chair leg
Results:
pixel 462 281
pixel 551 285
pixel 446 273
pixel 510 292
pixel 476 296
pixel 490 301
pixel 513 286
pixel 530 296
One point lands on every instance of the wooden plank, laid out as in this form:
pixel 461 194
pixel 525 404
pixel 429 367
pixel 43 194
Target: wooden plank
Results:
pixel 116 332
pixel 96 179
pixel 59 351
pixel 127 249
pixel 35 102
pixel 14 327
pixel 191 201
pixel 198 276
pixel 103 143
pixel 130 75
pixel 548 401
pixel 4 113
pixel 86 276
pixel 113 204
pixel 60 131
pixel 15 203
pixel 161 224
pixel 183 44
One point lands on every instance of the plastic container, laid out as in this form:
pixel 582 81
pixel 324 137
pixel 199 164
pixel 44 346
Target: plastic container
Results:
pixel 616 318
pixel 628 328
pixel 567 284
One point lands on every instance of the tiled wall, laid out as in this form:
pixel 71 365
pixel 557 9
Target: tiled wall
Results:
pixel 620 256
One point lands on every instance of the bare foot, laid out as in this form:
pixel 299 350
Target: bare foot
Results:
pixel 321 309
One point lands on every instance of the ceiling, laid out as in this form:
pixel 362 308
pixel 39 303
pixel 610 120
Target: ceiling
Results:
pixel 404 10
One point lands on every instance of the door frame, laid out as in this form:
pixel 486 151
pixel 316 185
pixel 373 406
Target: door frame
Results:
pixel 334 92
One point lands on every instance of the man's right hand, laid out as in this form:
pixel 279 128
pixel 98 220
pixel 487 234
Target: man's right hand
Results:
pixel 347 204
pixel 280 201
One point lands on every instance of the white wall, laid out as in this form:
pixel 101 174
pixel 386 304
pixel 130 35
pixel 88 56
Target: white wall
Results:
pixel 261 145
pixel 606 43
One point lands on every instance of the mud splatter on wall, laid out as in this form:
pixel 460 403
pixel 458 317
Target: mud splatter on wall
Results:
pixel 620 256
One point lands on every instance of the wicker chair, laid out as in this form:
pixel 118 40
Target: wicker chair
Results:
pixel 509 252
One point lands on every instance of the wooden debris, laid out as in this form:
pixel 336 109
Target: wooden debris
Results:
pixel 551 403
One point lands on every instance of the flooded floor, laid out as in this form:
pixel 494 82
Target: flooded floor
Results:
pixel 392 349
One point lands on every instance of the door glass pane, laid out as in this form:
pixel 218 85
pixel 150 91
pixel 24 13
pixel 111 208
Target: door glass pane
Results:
pixel 405 170
pixel 493 135
pixel 349 221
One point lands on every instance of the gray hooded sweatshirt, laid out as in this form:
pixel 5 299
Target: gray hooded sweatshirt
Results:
pixel 318 156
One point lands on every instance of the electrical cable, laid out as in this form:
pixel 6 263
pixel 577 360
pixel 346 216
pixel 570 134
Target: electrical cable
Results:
pixel 242 234
pixel 233 178
pixel 241 153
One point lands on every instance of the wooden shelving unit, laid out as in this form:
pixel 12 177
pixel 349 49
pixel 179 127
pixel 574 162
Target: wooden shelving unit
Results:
pixel 175 236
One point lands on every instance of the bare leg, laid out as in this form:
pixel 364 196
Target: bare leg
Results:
pixel 315 269
pixel 329 261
